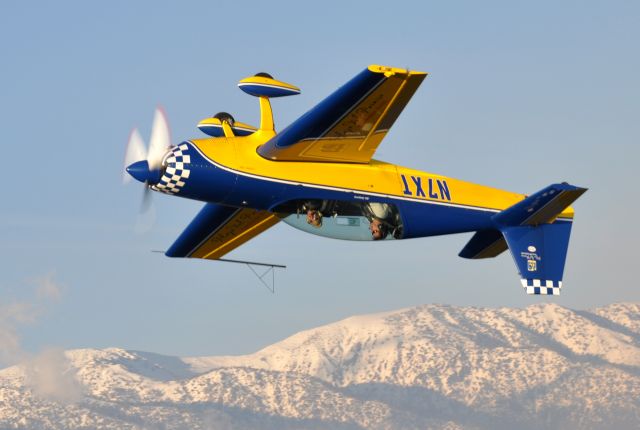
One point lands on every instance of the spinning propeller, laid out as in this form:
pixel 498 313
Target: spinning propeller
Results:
pixel 144 164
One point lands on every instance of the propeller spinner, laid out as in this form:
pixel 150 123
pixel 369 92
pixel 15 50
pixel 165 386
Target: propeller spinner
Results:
pixel 145 165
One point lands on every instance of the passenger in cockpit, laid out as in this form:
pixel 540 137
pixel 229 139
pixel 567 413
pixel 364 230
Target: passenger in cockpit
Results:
pixel 316 209
pixel 314 218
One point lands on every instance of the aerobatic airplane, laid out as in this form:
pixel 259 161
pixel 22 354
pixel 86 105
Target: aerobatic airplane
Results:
pixel 318 175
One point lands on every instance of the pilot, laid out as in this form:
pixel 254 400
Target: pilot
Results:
pixel 383 219
pixel 378 229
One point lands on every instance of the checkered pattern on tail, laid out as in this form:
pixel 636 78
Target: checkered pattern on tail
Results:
pixel 540 287
pixel 176 172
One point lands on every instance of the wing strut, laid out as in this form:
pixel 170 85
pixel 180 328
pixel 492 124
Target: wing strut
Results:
pixel 271 269
pixel 261 277
pixel 250 264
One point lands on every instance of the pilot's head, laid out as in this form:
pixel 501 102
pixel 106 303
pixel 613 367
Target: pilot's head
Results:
pixel 314 218
pixel 378 229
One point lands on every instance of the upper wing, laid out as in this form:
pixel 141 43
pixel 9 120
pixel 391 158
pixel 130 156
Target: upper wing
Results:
pixel 348 125
pixel 217 230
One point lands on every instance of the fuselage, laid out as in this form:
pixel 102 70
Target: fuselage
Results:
pixel 229 171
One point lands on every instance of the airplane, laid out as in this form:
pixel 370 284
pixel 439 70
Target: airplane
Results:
pixel 319 175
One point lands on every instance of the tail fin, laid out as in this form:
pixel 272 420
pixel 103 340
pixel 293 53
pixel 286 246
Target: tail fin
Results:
pixel 538 237
pixel 540 253
pixel 536 231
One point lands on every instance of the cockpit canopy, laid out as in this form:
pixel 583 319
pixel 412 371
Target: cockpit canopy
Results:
pixel 348 220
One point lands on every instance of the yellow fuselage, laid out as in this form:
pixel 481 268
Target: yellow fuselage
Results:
pixel 377 177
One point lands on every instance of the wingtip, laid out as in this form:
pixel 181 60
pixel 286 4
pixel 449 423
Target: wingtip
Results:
pixel 390 71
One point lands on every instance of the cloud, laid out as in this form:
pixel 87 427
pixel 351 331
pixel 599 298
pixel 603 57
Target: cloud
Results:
pixel 12 316
pixel 18 313
pixel 47 288
pixel 49 374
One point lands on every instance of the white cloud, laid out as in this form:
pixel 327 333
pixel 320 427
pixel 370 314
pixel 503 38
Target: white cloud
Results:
pixel 51 376
pixel 12 316
pixel 47 288
pixel 49 373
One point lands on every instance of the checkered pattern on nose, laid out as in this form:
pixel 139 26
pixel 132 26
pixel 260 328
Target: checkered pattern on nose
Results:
pixel 175 174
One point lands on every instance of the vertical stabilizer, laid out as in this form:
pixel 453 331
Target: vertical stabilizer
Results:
pixel 537 231
pixel 540 253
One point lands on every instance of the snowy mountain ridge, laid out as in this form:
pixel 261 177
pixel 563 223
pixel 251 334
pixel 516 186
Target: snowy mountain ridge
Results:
pixel 431 366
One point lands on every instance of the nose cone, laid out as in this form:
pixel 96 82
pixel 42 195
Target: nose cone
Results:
pixel 141 172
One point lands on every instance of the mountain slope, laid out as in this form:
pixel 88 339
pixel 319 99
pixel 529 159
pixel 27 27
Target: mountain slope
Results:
pixel 430 366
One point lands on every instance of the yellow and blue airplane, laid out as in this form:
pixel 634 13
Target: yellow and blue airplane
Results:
pixel 319 175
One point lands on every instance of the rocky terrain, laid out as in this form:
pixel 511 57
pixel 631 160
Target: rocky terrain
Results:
pixel 427 367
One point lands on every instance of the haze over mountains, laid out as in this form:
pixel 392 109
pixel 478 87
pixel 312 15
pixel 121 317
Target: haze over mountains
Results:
pixel 432 366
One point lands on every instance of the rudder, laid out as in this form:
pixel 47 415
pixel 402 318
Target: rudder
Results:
pixel 540 254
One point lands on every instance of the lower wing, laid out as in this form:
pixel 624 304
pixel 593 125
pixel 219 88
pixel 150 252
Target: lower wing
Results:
pixel 217 230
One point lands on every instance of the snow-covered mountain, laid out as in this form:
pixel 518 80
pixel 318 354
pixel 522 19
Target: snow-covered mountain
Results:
pixel 432 366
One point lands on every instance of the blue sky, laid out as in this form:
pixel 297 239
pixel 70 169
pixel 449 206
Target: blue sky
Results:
pixel 520 95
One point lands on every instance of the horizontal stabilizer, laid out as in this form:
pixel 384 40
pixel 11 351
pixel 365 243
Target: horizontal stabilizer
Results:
pixel 541 207
pixel 484 244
